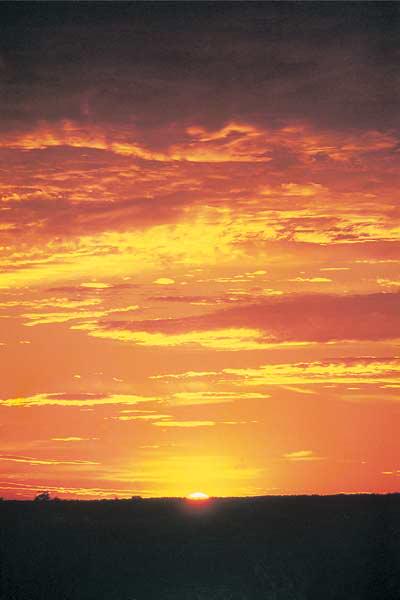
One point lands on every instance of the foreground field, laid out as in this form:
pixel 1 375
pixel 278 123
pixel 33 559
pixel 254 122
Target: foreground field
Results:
pixel 287 548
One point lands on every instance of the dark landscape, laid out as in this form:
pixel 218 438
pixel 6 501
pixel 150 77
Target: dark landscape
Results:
pixel 279 548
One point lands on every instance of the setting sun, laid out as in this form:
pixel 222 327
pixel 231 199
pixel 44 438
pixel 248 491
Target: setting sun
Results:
pixel 197 496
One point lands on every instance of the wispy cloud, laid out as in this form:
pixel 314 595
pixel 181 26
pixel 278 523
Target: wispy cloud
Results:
pixel 185 424
pixel 46 461
pixel 72 438
pixel 198 398
pixel 77 399
pixel 302 455
pixel 362 370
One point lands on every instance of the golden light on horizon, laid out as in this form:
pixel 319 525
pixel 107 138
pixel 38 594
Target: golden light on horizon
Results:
pixel 197 496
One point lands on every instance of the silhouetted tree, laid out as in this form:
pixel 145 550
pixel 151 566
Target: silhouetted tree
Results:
pixel 43 497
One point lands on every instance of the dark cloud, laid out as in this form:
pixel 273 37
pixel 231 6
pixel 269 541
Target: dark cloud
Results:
pixel 157 63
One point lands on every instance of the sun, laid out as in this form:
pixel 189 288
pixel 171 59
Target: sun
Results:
pixel 198 496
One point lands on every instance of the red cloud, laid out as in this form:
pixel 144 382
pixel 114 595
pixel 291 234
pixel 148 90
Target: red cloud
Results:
pixel 318 317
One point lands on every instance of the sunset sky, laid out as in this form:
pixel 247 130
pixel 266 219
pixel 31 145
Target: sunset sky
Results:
pixel 199 248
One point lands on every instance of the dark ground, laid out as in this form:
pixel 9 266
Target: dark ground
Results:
pixel 293 548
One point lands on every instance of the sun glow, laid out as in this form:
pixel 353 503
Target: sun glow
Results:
pixel 198 496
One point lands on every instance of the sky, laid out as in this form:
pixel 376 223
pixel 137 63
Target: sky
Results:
pixel 199 248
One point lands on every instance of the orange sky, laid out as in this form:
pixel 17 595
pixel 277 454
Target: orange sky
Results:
pixel 199 285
